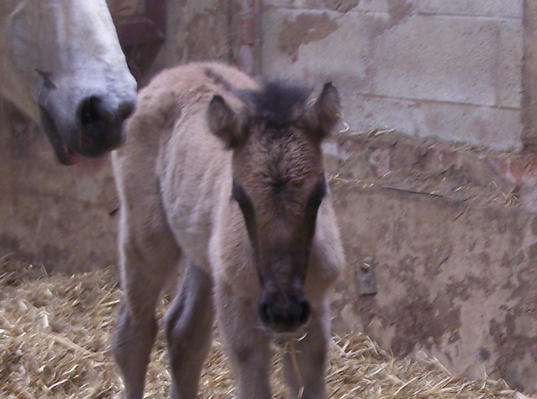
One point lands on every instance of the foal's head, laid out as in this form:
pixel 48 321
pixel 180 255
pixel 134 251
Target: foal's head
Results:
pixel 278 184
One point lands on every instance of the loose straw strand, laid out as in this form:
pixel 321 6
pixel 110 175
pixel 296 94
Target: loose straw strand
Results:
pixel 292 353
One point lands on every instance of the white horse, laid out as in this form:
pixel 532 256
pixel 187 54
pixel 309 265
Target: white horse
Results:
pixel 62 65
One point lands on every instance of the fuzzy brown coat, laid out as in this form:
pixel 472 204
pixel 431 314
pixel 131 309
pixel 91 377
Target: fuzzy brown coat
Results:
pixel 174 178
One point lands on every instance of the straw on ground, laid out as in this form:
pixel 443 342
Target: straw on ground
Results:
pixel 54 341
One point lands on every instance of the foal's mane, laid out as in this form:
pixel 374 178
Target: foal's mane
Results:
pixel 277 103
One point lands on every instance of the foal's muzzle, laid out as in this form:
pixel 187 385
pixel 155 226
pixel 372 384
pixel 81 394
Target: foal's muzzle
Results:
pixel 284 315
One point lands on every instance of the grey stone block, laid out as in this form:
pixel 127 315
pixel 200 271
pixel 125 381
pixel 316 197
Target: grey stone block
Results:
pixel 529 74
pixel 510 56
pixel 391 7
pixel 317 46
pixel 292 3
pixel 335 5
pixel 496 128
pixel 489 8
pixel 438 58
pixel 345 5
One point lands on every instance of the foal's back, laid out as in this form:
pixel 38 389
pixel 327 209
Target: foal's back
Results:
pixel 180 94
pixel 171 163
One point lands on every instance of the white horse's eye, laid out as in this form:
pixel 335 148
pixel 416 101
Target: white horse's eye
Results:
pixel 47 79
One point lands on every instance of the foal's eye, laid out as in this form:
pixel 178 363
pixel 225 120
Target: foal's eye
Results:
pixel 317 195
pixel 312 208
pixel 237 192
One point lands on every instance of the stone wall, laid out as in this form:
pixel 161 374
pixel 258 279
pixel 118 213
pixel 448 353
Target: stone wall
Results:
pixel 450 69
pixel 529 75
pixel 451 246
pixel 221 30
pixel 50 214
pixel 462 71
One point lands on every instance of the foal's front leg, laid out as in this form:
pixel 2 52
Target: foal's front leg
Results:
pixel 305 368
pixel 188 329
pixel 245 342
pixel 147 259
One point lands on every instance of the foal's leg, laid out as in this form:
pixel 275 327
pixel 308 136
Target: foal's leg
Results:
pixel 189 323
pixel 147 258
pixel 307 369
pixel 245 342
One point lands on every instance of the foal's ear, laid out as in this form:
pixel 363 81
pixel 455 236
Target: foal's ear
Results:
pixel 323 113
pixel 224 123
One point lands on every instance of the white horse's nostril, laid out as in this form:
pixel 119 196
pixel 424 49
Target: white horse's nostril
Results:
pixel 92 111
pixel 124 110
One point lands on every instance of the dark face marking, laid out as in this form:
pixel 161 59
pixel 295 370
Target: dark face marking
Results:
pixel 218 79
pixel 296 251
pixel 278 183
pixel 282 269
pixel 278 105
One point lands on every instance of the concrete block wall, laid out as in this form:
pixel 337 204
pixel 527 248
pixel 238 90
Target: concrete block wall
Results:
pixel 452 245
pixel 450 69
pixel 52 215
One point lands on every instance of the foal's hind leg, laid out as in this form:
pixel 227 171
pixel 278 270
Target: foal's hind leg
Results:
pixel 188 328
pixel 246 343
pixel 148 255
pixel 305 369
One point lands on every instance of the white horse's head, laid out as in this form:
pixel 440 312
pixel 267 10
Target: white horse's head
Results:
pixel 61 63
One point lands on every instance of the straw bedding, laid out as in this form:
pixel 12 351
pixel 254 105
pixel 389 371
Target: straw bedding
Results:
pixel 55 332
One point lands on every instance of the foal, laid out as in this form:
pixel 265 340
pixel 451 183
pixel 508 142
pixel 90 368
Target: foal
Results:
pixel 229 175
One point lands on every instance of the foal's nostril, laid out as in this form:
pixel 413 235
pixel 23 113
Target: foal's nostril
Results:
pixel 284 318
pixel 304 311
pixel 266 312
pixel 271 315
